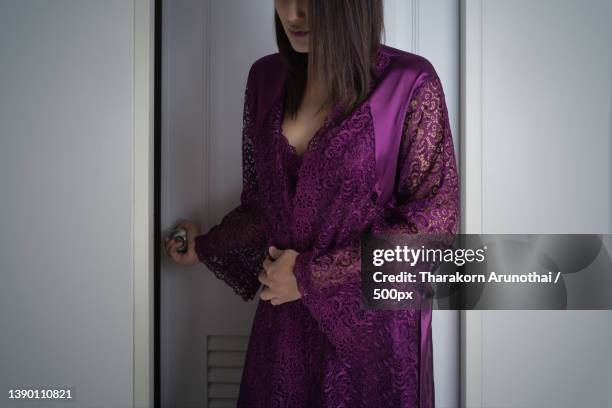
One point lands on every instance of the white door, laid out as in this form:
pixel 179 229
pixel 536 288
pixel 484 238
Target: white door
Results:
pixel 76 182
pixel 208 47
pixel 538 148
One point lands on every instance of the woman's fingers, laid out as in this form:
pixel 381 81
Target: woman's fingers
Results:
pixel 274 252
pixel 172 250
pixel 266 294
pixel 171 247
pixel 269 293
pixel 263 278
pixel 277 301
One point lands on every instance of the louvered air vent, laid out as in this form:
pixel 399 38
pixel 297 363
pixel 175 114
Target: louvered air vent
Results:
pixel 225 360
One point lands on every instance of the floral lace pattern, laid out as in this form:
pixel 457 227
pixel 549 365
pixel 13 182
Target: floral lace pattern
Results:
pixel 235 249
pixel 324 350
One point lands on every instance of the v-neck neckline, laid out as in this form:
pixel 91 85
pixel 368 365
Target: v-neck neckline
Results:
pixel 327 122
pixel 379 64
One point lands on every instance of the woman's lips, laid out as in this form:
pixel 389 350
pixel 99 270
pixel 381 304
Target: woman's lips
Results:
pixel 299 33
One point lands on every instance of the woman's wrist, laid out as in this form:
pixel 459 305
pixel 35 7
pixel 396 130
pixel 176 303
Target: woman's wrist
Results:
pixel 301 270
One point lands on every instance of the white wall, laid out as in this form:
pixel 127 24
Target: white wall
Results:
pixel 538 155
pixel 67 198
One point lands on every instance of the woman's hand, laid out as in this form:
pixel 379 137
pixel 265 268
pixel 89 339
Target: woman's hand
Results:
pixel 278 276
pixel 190 257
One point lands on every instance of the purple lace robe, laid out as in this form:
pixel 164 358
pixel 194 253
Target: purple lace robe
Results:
pixel 324 350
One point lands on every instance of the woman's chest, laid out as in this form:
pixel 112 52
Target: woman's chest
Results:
pixel 329 186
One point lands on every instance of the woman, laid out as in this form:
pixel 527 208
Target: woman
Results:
pixel 329 121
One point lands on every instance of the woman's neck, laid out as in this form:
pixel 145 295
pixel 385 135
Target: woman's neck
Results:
pixel 315 92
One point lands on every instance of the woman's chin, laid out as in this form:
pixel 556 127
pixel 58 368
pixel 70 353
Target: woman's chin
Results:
pixel 300 48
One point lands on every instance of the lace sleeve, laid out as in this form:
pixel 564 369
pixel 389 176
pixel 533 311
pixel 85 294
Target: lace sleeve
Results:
pixel 426 197
pixel 235 249
pixel 425 200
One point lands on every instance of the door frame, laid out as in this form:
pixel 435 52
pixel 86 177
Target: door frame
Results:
pixel 145 193
pixel 471 106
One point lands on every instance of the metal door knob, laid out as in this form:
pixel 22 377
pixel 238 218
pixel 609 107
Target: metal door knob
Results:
pixel 180 235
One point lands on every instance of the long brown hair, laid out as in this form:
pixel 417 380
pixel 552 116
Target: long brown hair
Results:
pixel 344 38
